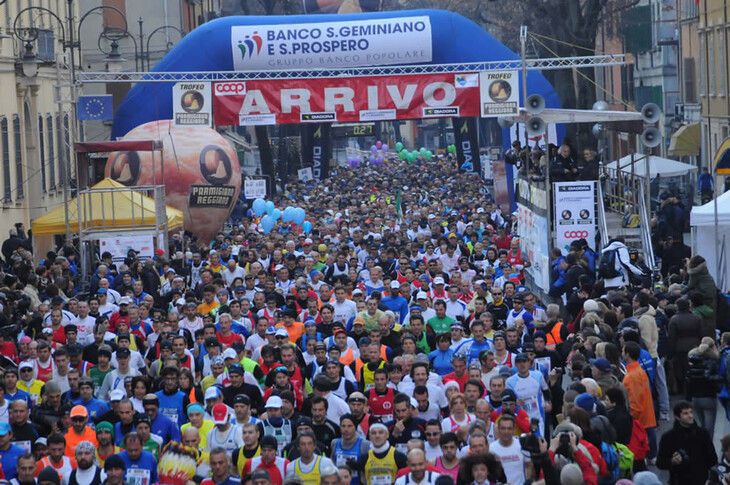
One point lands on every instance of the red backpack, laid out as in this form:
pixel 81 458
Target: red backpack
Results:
pixel 639 443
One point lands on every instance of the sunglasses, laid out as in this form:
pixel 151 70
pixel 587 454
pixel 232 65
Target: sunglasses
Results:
pixel 433 433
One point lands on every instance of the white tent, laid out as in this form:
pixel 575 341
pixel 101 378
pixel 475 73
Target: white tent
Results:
pixel 706 242
pixel 657 166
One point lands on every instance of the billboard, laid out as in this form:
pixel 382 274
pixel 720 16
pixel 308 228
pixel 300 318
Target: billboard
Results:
pixel 335 44
pixel 351 99
pixel 575 213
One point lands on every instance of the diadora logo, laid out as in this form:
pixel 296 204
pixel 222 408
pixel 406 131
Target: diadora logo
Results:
pixel 250 45
pixel 230 89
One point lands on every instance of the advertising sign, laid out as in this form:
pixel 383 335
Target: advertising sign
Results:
pixel 120 246
pixel 353 99
pixel 500 93
pixel 317 148
pixel 191 104
pixel 575 213
pixel 467 145
pixel 534 238
pixel 305 174
pixel 254 188
pixel 336 44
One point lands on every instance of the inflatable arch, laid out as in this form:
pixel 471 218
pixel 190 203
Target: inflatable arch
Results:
pixel 455 39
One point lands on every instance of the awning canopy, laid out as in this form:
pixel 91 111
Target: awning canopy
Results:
pixel 657 166
pixel 722 158
pixel 686 141
pixel 124 209
pixel 704 215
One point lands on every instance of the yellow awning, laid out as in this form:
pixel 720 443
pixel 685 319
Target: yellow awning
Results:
pixel 110 210
pixel 686 141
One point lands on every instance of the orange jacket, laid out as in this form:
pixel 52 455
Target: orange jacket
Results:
pixel 642 405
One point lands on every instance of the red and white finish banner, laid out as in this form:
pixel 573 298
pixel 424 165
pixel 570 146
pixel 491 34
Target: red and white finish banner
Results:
pixel 353 99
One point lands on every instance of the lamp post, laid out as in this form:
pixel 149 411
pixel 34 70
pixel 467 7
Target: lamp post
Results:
pixel 30 62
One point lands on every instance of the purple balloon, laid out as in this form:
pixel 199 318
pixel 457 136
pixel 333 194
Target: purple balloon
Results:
pixel 378 144
pixel 372 158
pixel 385 147
pixel 374 149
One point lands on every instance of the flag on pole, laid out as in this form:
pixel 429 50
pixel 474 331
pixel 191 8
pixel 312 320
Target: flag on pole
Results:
pixel 398 210
pixel 95 108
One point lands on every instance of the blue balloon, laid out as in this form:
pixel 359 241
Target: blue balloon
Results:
pixel 288 214
pixel 299 216
pixel 307 226
pixel 267 223
pixel 259 207
pixel 276 214
pixel 270 207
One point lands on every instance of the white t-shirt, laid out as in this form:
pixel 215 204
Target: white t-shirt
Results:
pixel 513 460
pixel 344 311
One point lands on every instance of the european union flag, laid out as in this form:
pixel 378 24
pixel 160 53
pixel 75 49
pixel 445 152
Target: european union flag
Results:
pixel 95 108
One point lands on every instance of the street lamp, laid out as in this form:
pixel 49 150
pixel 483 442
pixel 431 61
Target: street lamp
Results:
pixel 29 61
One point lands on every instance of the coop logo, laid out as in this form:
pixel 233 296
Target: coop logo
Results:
pixel 230 89
pixel 576 234
pixel 250 45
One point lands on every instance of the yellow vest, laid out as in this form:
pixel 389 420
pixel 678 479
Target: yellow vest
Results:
pixel 311 478
pixel 242 459
pixel 381 471
pixel 368 376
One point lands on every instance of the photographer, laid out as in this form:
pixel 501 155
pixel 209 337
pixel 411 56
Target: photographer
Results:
pixel 686 450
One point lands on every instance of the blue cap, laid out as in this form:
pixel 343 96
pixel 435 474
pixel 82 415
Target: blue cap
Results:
pixel 102 290
pixel 240 288
pixel 309 321
pixel 224 246
pixel 271 330
pixel 5 428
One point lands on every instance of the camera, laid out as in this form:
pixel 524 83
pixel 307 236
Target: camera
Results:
pixel 564 438
pixel 683 453
pixel 529 441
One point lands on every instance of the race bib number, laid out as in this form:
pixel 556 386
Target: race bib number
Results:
pixel 138 476
pixel 381 480
pixel 530 404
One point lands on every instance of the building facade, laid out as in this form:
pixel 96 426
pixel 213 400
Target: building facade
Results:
pixel 713 30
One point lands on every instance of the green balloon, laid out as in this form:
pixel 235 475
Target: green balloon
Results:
pixel 414 154
pixel 429 155
pixel 399 146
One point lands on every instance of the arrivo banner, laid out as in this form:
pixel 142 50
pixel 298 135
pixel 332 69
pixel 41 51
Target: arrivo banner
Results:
pixel 354 99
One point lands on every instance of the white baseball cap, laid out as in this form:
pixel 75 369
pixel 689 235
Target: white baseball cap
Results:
pixel 439 281
pixel 422 295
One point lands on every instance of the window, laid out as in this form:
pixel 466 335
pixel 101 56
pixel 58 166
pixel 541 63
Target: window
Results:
pixel 59 151
pixel 18 158
pixel 627 83
pixel 7 192
pixel 711 61
pixel 721 74
pixel 67 151
pixel 51 152
pixel 703 63
pixel 42 152
pixel 690 88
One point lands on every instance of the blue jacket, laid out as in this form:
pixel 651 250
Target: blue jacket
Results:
pixel 705 183
pixel 165 427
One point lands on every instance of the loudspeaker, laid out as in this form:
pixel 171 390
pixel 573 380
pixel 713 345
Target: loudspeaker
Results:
pixel 651 137
pixel 535 104
pixel 505 123
pixel 535 127
pixel 651 113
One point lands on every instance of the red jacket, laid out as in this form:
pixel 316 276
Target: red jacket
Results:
pixel 522 419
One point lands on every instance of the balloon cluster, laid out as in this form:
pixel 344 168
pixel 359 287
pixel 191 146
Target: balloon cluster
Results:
pixel 271 214
pixel 378 153
pixel 451 149
pixel 411 157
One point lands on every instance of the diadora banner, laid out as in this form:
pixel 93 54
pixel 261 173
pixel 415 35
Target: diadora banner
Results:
pixel 329 100
pixel 575 213
pixel 402 40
